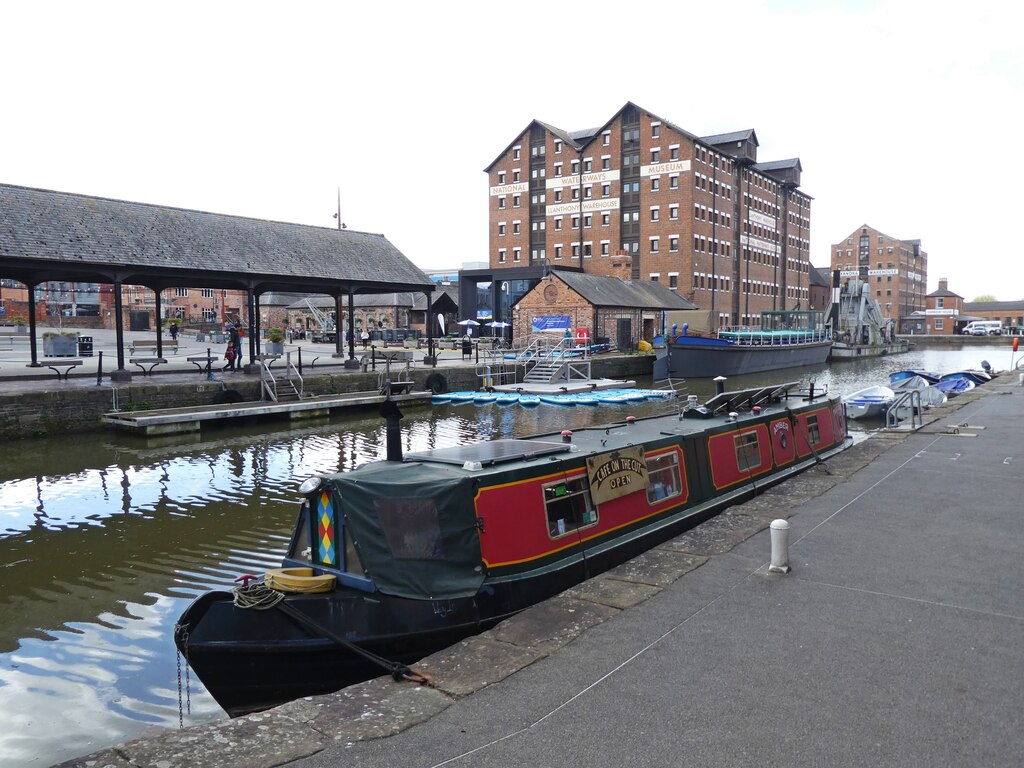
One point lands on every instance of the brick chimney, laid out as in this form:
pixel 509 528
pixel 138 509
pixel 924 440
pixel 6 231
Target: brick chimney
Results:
pixel 621 266
pixel 943 284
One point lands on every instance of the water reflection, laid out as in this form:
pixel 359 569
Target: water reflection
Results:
pixel 104 539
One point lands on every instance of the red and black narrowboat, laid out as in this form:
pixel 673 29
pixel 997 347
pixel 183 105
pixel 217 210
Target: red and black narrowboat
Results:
pixel 432 547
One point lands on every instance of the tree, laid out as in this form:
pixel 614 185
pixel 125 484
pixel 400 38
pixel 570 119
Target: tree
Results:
pixel 985 297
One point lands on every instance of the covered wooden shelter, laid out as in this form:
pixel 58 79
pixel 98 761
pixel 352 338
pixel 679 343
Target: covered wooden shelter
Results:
pixel 59 236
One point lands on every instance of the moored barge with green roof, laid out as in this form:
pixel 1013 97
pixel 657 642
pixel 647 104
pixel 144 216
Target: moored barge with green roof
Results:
pixel 419 551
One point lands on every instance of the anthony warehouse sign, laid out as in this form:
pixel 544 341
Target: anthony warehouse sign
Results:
pixel 617 474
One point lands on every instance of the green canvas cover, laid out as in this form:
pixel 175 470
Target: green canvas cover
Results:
pixel 414 527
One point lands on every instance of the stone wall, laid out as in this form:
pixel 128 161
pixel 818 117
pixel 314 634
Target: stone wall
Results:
pixel 64 410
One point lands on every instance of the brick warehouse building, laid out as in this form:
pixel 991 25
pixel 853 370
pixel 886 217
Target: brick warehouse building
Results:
pixel 896 270
pixel 699 215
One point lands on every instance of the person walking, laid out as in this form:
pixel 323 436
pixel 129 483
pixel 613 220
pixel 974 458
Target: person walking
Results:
pixel 174 331
pixel 237 339
pixel 233 353
pixel 365 338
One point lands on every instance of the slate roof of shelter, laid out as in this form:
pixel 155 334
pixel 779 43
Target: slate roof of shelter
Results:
pixel 49 235
pixel 602 291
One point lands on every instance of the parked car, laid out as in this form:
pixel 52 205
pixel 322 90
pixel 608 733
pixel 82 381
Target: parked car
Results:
pixel 984 328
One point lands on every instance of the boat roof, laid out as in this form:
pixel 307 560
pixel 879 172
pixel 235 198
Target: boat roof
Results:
pixel 490 452
pixel 505 453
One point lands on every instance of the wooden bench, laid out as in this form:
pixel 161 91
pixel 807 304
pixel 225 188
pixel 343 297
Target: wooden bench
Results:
pixel 142 362
pixel 67 365
pixel 151 344
pixel 203 362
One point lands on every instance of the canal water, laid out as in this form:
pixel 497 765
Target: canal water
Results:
pixel 105 538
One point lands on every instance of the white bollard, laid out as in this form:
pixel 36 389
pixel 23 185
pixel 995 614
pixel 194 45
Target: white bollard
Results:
pixel 780 547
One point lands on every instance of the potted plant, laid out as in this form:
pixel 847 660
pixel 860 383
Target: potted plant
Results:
pixel 20 324
pixel 275 341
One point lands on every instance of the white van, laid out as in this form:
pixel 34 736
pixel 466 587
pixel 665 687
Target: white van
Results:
pixel 983 328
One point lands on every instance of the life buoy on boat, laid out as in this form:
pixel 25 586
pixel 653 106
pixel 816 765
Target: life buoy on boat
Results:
pixel 436 383
pixel 298 580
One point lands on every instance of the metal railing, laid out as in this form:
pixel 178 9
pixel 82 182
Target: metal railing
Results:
pixel 748 336
pixel 907 404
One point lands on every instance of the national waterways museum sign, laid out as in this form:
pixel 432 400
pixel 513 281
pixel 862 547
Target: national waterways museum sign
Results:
pixel 616 474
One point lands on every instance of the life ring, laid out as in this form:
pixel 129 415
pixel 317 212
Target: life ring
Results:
pixel 298 580
pixel 436 383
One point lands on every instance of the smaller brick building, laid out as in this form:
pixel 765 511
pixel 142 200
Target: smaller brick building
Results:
pixel 943 311
pixel 596 307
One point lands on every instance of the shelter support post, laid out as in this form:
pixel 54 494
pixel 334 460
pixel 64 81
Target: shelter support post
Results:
pixel 32 326
pixel 339 349
pixel 254 323
pixel 351 363
pixel 159 324
pixel 121 374
pixel 431 356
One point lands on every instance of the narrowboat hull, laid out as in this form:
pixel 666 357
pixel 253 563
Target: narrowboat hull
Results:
pixel 698 358
pixel 523 544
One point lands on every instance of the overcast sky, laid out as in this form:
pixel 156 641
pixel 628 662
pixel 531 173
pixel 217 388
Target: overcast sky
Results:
pixel 899 111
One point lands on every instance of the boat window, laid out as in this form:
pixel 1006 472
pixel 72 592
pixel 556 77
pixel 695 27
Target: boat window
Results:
pixel 352 563
pixel 663 477
pixel 812 430
pixel 568 506
pixel 748 454
pixel 301 548
pixel 411 528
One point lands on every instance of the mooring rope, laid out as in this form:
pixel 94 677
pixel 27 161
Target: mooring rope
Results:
pixel 256 596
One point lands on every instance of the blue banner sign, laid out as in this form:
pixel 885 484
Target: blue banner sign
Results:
pixel 549 323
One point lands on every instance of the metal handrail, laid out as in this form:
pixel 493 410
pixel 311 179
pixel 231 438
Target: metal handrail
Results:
pixel 293 373
pixel 267 387
pixel 892 418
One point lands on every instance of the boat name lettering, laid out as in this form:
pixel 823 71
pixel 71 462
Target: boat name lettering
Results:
pixel 616 474
pixel 780 426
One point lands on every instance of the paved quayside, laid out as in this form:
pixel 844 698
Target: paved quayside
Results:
pixel 894 641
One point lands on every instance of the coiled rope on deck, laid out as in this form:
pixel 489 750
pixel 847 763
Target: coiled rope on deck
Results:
pixel 257 596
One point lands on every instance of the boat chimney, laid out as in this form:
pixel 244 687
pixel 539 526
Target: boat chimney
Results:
pixel 389 410
pixel 719 384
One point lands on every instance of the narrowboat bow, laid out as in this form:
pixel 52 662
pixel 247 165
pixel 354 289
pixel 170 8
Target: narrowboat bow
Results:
pixel 432 547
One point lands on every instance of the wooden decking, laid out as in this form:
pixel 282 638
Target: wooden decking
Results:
pixel 175 420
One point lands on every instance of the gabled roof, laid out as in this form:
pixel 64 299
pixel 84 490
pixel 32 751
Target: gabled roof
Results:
pixel 48 235
pixel 603 291
pixel 725 138
pixel 944 293
pixel 524 134
pixel 821 276
pixel 779 165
